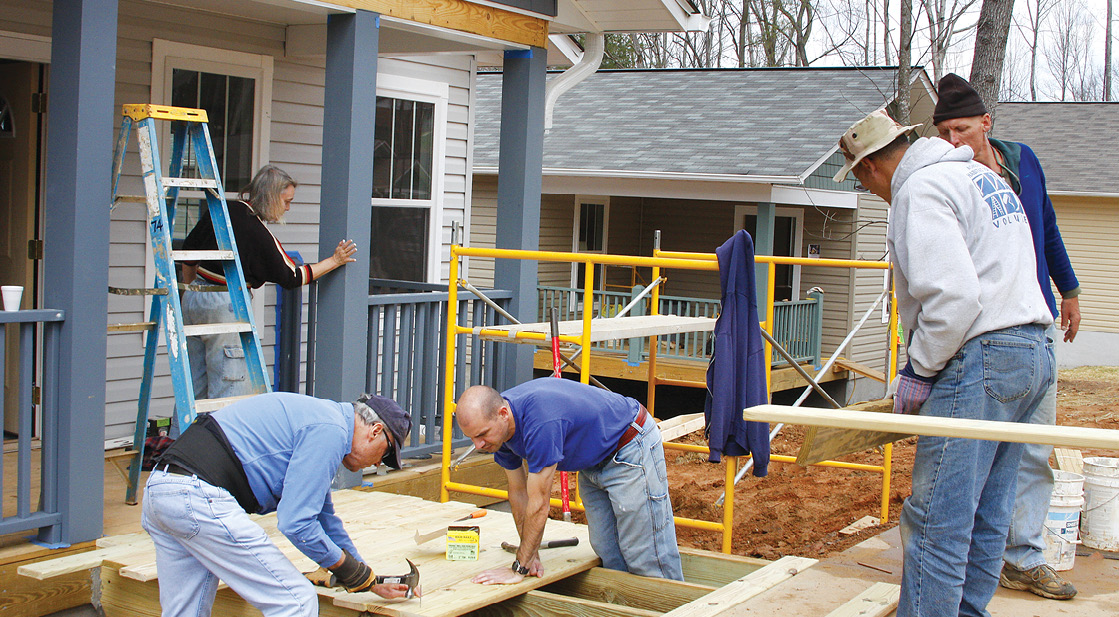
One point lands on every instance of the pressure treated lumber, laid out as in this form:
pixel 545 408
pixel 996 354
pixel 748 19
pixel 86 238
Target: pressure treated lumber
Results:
pixel 679 426
pixel 828 443
pixel 1069 459
pixel 624 589
pixel 878 601
pixel 544 604
pixel 1067 436
pixel 743 589
pixel 716 569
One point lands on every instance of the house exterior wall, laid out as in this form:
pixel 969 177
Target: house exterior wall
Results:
pixel 1089 226
pixel 295 145
pixel 830 228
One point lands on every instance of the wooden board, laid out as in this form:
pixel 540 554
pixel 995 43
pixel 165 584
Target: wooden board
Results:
pixel 679 426
pixel 879 600
pixel 605 329
pixel 1069 459
pixel 830 443
pixel 743 589
pixel 1016 432
pixel 382 526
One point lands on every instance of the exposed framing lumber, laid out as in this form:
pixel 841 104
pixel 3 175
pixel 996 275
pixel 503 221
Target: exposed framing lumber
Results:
pixel 842 364
pixel 879 600
pixel 1066 436
pixel 1069 459
pixel 716 569
pixel 744 588
pixel 463 16
pixel 629 590
pixel 544 604
pixel 679 426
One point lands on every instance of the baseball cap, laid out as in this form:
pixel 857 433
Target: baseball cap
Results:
pixel 868 136
pixel 395 419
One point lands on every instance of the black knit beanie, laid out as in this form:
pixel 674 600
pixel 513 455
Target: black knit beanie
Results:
pixel 956 99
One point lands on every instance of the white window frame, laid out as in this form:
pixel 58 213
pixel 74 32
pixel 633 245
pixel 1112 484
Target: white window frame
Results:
pixel 604 201
pixel 797 215
pixel 170 55
pixel 437 93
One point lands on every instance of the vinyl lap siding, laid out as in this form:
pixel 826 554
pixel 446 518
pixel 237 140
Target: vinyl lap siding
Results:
pixel 831 229
pixel 1089 227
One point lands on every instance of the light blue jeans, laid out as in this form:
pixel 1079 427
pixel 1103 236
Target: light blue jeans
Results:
pixel 202 535
pixel 954 525
pixel 629 514
pixel 1026 539
pixel 217 361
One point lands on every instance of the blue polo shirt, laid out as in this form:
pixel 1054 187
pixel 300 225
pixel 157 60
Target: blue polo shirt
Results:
pixel 290 446
pixel 564 423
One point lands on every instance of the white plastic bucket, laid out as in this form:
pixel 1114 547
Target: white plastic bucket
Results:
pixel 1062 524
pixel 1099 527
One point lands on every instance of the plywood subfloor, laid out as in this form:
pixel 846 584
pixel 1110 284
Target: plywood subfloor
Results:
pixel 382 526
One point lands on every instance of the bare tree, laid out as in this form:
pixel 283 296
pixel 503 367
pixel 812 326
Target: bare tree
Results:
pixel 1016 72
pixel 991 32
pixel 945 22
pixel 1107 56
pixel 800 16
pixel 1068 54
pixel 1029 25
pixel 905 51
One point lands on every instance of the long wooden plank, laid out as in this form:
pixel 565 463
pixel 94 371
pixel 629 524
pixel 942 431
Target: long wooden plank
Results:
pixel 679 426
pixel 823 443
pixel 544 604
pixel 625 589
pixel 716 569
pixel 1067 436
pixel 862 369
pixel 744 588
pixel 463 16
pixel 609 329
pixel 42 570
pixel 879 600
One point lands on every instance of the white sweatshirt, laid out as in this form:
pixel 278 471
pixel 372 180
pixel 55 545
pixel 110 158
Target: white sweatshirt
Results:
pixel 962 251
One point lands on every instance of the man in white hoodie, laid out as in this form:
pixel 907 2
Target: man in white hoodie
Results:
pixel 967 294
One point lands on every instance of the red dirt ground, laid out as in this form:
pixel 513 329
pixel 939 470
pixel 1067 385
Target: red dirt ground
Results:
pixel 798 511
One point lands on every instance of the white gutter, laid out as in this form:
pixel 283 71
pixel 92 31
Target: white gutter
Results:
pixel 652 175
pixel 595 46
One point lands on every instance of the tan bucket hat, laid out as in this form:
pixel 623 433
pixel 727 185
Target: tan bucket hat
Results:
pixel 867 136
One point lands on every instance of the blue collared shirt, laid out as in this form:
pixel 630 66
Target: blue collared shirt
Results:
pixel 291 445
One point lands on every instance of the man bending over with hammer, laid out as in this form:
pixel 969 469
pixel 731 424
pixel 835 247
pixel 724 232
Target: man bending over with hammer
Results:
pixel 547 424
pixel 274 452
pixel 967 293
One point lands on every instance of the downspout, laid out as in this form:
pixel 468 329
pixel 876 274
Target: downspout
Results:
pixel 594 46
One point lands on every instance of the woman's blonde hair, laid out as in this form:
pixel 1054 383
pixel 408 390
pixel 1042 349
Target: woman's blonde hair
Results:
pixel 263 193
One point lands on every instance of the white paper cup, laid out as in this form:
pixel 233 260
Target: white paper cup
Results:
pixel 12 295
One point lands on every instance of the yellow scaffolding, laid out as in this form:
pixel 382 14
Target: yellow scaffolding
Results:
pixel 661 259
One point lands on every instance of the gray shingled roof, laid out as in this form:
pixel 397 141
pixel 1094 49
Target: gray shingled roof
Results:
pixel 775 122
pixel 1075 142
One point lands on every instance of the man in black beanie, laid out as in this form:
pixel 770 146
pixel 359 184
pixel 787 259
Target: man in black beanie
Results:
pixel 962 120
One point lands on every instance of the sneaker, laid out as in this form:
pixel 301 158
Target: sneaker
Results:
pixel 1042 580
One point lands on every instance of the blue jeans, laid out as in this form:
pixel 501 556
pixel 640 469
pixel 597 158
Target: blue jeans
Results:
pixel 954 525
pixel 202 535
pixel 629 514
pixel 217 361
pixel 1026 539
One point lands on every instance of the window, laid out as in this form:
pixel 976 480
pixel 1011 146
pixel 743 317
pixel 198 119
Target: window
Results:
pixel 406 192
pixel 235 89
pixel 590 235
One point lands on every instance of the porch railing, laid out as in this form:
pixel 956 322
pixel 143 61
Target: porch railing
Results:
pixel 35 504
pixel 406 354
pixel 797 324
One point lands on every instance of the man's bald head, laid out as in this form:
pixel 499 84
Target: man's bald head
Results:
pixel 482 400
pixel 484 417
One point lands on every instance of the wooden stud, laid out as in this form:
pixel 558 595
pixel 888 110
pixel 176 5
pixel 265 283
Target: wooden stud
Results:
pixel 544 604
pixel 463 16
pixel 679 426
pixel 743 589
pixel 1017 432
pixel 624 589
pixel 842 364
pixel 716 569
pixel 879 600
pixel 828 443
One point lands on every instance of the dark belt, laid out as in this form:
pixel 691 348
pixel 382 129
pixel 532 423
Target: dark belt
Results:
pixel 177 470
pixel 631 430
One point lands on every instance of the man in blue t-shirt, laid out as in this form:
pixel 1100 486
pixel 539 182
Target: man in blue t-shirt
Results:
pixel 962 120
pixel 546 425
pixel 275 452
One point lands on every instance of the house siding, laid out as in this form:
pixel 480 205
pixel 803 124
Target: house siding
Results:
pixel 295 145
pixel 1089 226
pixel 832 230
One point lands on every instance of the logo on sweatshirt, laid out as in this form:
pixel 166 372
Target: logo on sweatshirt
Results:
pixel 1004 204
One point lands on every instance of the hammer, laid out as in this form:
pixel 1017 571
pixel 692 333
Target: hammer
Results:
pixel 512 548
pixel 411 579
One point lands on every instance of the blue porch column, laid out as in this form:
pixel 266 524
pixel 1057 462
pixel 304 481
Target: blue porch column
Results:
pixel 763 245
pixel 347 180
pixel 519 183
pixel 76 249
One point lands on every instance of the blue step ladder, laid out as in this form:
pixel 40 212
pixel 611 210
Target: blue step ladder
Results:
pixel 161 194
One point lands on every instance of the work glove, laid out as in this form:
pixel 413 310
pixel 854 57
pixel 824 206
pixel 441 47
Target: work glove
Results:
pixel 354 575
pixel 912 391
pixel 322 578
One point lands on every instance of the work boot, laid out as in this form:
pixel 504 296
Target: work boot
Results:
pixel 1041 580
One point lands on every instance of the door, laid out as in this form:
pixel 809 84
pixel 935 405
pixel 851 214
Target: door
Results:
pixel 19 146
pixel 786 243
